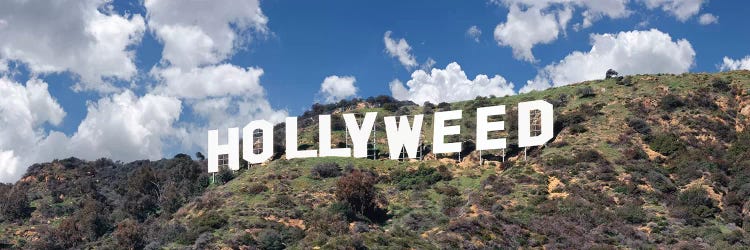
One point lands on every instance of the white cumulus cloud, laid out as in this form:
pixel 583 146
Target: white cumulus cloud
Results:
pixel 399 49
pixel 448 85
pixel 77 36
pixel 126 127
pixel 210 81
pixel 708 18
pixel 533 22
pixel 336 88
pixel 23 111
pixel 474 33
pixel 732 64
pixel 197 33
pixel 632 52
pixel 681 9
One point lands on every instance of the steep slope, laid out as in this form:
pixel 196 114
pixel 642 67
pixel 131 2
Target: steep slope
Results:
pixel 645 161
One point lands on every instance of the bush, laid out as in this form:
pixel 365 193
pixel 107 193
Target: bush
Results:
pixel 631 212
pixel 585 92
pixel 326 170
pixel 665 144
pixel 391 107
pixel 447 190
pixel 660 182
pixel 693 205
pixel 129 235
pixel 671 102
pixel 208 222
pixel 357 189
pixel 225 175
pixel 589 155
pixel 720 84
pixel 639 125
pixel 444 106
pixel 422 220
pixel 14 204
pixel 421 178
pixel 428 108
pixel 578 129
pixel 256 188
pixel 282 201
pixel 451 204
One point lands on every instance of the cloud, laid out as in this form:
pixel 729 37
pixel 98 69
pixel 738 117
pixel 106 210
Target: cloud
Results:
pixel 525 29
pixel 731 64
pixel 336 88
pixel 707 19
pixel 474 33
pixel 24 109
pixel 632 52
pixel 399 49
pixel 126 127
pixel 209 81
pixel 77 36
pixel 208 34
pixel 533 22
pixel 220 96
pixel 448 85
pixel 681 9
pixel 194 67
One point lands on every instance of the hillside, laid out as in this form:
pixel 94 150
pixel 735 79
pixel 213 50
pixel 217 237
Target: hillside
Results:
pixel 644 161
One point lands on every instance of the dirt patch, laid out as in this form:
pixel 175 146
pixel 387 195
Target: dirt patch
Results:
pixel 287 221
pixel 554 188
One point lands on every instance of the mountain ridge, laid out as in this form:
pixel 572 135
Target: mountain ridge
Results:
pixel 642 161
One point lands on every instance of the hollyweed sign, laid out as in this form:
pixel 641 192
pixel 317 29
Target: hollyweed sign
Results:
pixel 400 135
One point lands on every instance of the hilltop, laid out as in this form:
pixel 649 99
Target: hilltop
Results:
pixel 643 161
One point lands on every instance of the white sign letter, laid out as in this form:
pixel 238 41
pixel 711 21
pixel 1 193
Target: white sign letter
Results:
pixel 324 139
pixel 440 131
pixel 292 150
pixel 401 135
pixel 360 135
pixel 524 123
pixel 232 148
pixel 248 141
pixel 484 127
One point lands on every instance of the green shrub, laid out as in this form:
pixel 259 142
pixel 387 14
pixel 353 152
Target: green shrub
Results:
pixel 208 221
pixel 326 170
pixel 639 125
pixel 421 178
pixel 357 189
pixel 660 182
pixel 14 204
pixel 720 84
pixel 693 205
pixel 671 102
pixel 665 144
pixel 282 201
pixel 585 92
pixel 256 188
pixel 578 129
pixel 631 212
pixel 589 155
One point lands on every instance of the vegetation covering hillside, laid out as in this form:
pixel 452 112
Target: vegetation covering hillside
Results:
pixel 645 161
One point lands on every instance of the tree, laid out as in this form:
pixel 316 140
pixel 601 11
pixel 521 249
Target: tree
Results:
pixel 200 156
pixel 129 234
pixel 14 205
pixel 428 108
pixel 357 189
pixel 610 73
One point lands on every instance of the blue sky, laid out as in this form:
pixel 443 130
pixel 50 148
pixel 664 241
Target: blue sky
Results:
pixel 131 79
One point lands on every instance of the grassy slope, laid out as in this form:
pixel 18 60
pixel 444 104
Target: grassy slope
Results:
pixel 555 199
